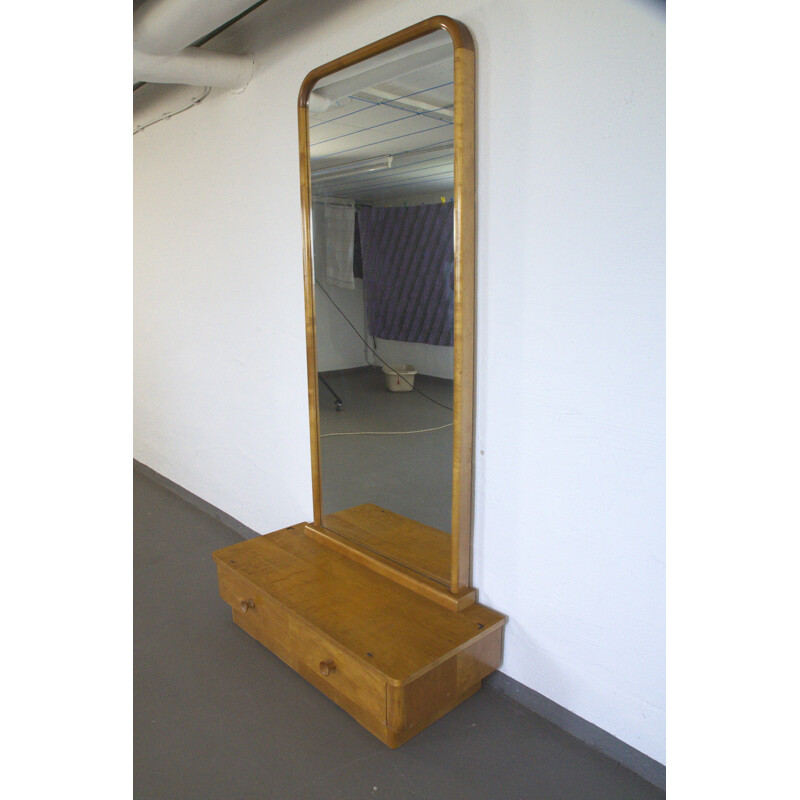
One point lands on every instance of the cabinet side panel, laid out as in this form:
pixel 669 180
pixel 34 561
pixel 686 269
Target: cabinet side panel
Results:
pixel 414 706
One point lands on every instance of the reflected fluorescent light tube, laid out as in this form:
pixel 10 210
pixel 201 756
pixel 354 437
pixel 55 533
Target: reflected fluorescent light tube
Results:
pixel 354 168
pixel 380 162
pixel 379 69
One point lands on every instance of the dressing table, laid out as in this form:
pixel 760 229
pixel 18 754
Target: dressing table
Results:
pixel 372 607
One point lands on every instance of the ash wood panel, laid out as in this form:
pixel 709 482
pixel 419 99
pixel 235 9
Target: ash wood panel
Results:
pixel 399 573
pixel 379 623
pixel 310 306
pixel 464 315
pixel 420 547
pixel 303 648
pixel 409 708
pixel 396 738
pixel 375 724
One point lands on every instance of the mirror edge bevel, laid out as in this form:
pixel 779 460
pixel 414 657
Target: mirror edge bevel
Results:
pixel 464 274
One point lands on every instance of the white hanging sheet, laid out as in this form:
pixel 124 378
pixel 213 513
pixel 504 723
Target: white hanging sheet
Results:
pixel 334 229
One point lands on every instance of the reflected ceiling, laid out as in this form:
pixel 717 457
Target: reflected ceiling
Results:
pixel 374 115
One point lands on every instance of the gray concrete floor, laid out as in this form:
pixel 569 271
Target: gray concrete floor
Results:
pixel 218 717
pixel 410 475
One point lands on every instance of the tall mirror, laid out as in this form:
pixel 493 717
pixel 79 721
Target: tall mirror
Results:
pixel 386 135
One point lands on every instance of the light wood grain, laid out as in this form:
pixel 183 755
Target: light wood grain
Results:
pixel 398 572
pixel 464 315
pixel 284 647
pixel 393 660
pixel 420 547
pixel 310 305
pixel 306 650
pixel 413 707
pixel 363 612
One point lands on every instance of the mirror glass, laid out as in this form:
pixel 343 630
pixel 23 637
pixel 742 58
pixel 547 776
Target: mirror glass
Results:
pixel 381 152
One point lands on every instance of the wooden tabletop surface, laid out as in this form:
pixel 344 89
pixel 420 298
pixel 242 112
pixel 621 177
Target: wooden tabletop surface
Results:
pixel 388 627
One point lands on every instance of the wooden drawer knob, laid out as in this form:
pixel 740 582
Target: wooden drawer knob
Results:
pixel 326 667
pixel 245 604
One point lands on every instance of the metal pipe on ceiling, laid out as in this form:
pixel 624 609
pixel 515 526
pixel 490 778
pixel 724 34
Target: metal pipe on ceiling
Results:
pixel 166 39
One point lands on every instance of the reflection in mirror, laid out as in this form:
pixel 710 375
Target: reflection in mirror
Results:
pixel 381 145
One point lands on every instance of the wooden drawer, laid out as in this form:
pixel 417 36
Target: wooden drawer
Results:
pixel 392 659
pixel 340 675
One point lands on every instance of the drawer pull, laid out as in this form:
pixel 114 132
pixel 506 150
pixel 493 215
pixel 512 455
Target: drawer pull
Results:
pixel 326 667
pixel 245 604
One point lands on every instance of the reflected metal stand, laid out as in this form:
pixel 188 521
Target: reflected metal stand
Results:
pixel 337 400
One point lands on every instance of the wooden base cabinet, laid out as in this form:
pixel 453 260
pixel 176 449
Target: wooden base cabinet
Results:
pixel 394 660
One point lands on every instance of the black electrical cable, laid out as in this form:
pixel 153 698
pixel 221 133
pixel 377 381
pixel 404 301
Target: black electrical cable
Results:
pixel 374 352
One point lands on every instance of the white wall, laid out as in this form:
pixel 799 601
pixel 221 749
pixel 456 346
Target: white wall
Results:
pixel 569 494
pixel 427 359
pixel 338 347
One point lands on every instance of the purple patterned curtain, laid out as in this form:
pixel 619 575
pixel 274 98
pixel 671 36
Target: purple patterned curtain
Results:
pixel 407 257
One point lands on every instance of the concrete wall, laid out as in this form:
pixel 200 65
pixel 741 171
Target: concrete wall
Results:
pixel 569 489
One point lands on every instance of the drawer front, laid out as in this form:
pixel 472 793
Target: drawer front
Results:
pixel 327 667
pixel 321 662
pixel 265 619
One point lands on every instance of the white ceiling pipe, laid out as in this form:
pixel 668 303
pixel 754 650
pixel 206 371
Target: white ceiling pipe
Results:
pixel 164 27
pixel 163 31
pixel 194 67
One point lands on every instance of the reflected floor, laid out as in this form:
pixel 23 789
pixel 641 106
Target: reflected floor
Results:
pixel 410 475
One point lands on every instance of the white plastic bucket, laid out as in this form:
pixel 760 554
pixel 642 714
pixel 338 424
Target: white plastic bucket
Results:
pixel 396 383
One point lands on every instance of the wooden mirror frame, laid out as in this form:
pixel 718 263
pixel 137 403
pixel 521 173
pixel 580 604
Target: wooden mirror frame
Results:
pixel 464 300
